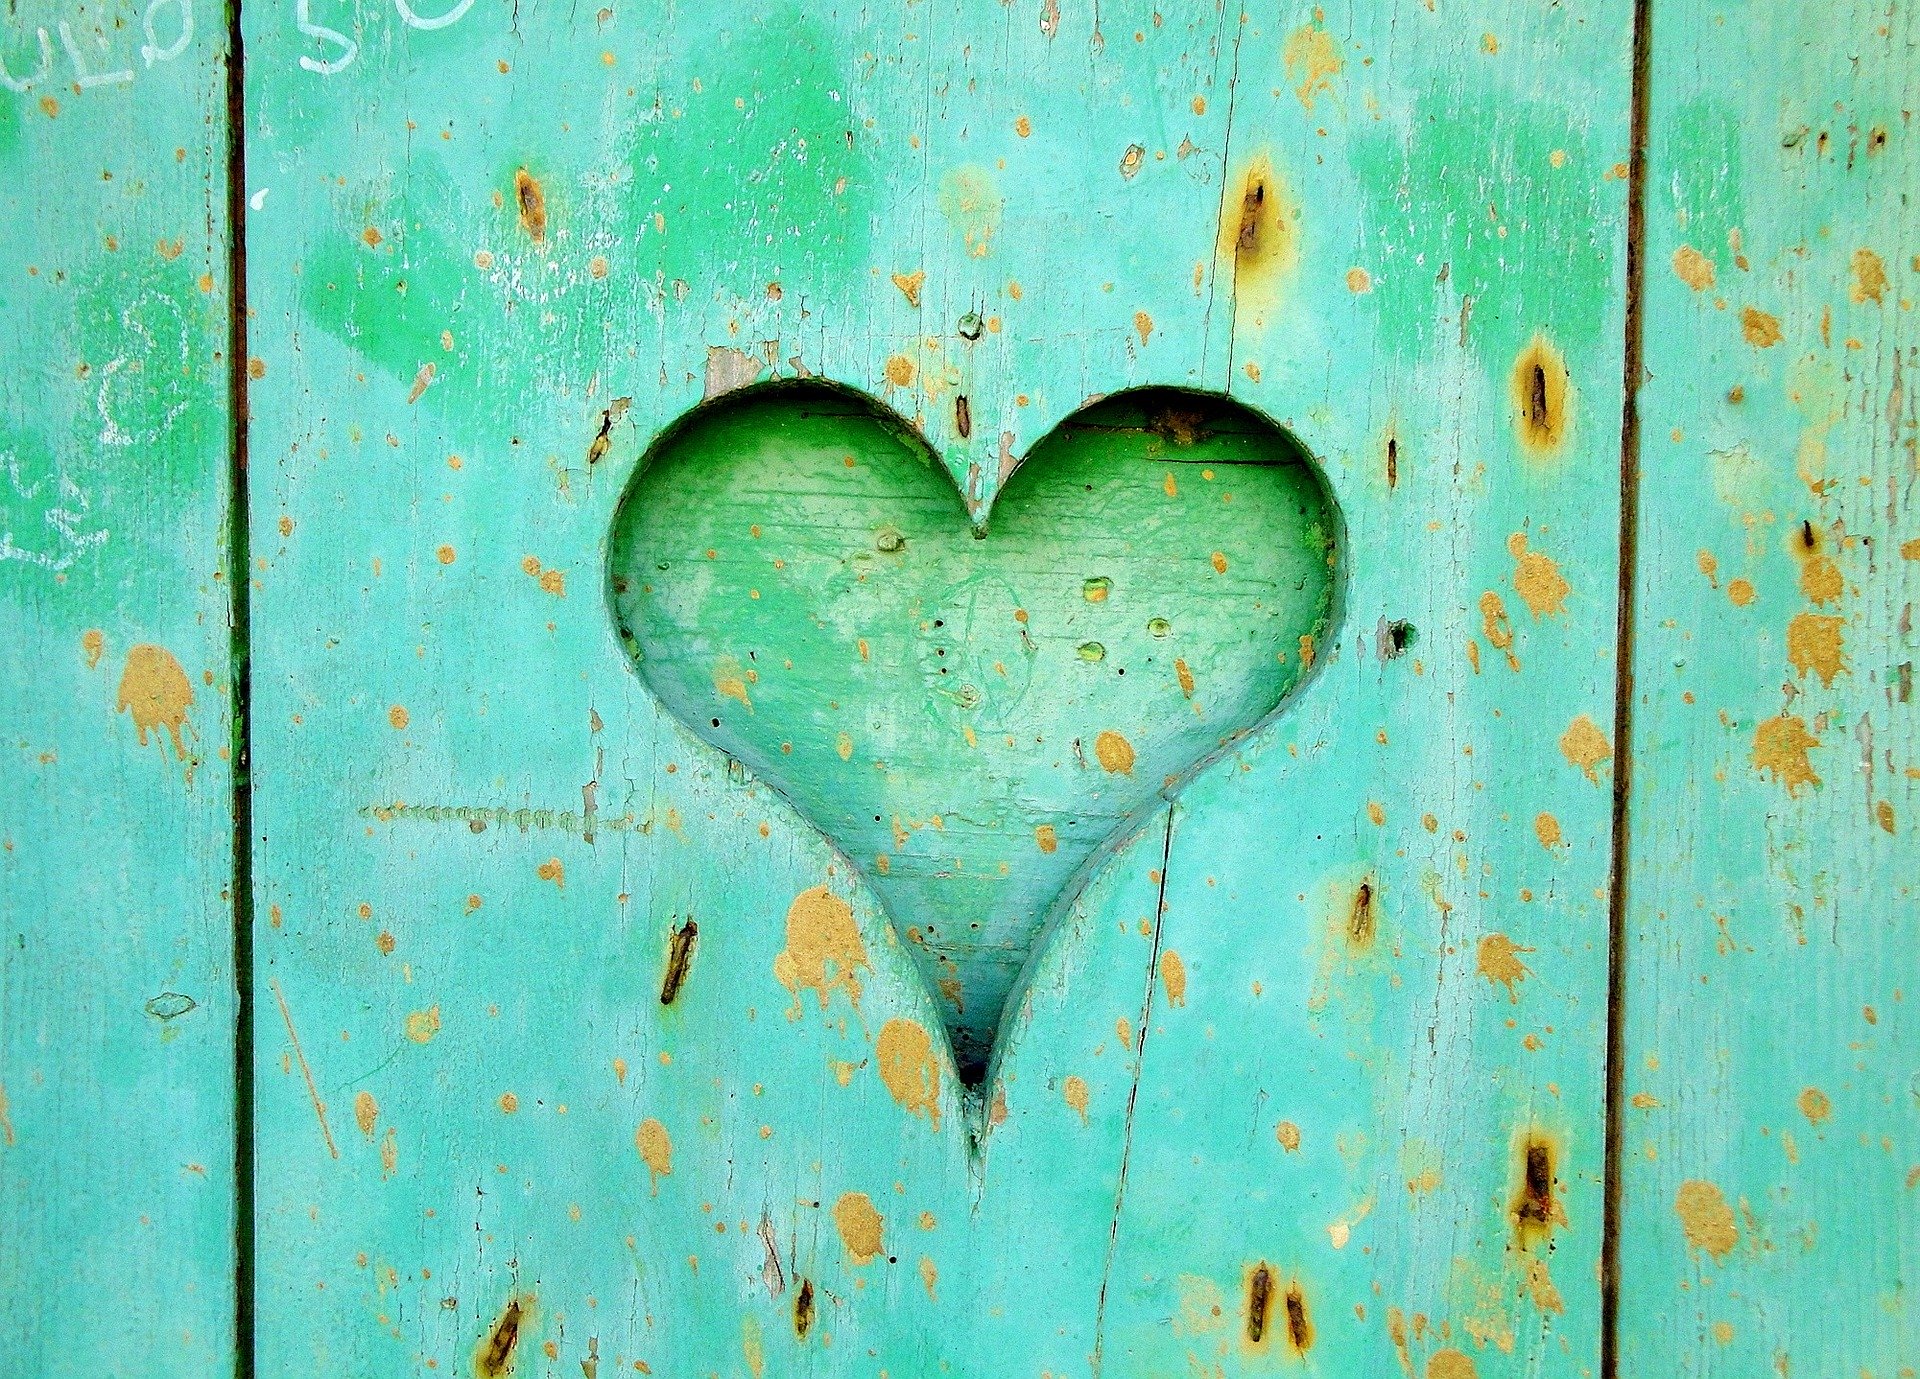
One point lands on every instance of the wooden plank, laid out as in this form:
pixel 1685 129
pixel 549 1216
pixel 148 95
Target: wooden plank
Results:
pixel 116 980
pixel 1769 1145
pixel 1318 1053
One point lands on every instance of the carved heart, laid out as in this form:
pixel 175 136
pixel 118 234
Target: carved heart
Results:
pixel 974 715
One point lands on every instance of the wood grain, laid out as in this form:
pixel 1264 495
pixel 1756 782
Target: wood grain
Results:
pixel 1769 1140
pixel 117 1000
pixel 1314 1066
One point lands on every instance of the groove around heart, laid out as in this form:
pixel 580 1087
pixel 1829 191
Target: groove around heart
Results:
pixel 973 716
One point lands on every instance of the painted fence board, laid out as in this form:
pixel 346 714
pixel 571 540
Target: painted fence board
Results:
pixel 1313 1067
pixel 117 997
pixel 1771 1121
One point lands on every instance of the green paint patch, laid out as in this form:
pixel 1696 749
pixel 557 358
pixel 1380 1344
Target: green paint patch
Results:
pixel 797 580
pixel 756 159
pixel 1494 199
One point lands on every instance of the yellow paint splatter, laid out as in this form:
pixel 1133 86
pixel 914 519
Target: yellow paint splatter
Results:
pixel 1114 752
pixel 1761 330
pixel 554 870
pixel 656 1150
pixel 910 285
pixel 94 644
pixel 366 1112
pixel 1821 580
pixel 1814 1105
pixel 909 1069
pixel 1815 643
pixel 1074 1092
pixel 1499 962
pixel 1780 748
pixel 1693 268
pixel 860 1226
pixel 1143 323
pixel 730 680
pixel 1289 1136
pixel 1705 1217
pixel 824 949
pixel 1451 1364
pixel 752 1348
pixel 551 581
pixel 1173 977
pixel 422 1025
pixel 155 693
pixel 1359 280
pixel 929 1274
pixel 1869 277
pixel 1497 629
pixel 1585 746
pixel 1547 828
pixel 1537 579
pixel 1312 60
pixel 900 370
pixel 1540 1286
pixel 397 716
pixel 972 204
pixel 1045 838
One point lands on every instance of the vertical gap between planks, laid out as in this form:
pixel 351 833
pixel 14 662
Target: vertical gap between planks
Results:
pixel 240 618
pixel 1618 878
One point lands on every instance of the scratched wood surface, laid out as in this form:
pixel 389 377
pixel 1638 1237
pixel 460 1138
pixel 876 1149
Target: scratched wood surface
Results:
pixel 1771 1131
pixel 1313 1067
pixel 116 975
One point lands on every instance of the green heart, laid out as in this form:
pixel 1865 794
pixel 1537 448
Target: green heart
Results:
pixel 973 717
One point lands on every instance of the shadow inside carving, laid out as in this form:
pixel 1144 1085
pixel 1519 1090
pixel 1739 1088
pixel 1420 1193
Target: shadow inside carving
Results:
pixel 974 718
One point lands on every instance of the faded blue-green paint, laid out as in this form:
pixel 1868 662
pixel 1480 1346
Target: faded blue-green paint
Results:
pixel 116 979
pixel 579 1045
pixel 1300 1038
pixel 1771 1132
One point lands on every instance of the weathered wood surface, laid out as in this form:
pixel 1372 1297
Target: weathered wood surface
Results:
pixel 1314 1065
pixel 1771 1130
pixel 117 998
pixel 580 1045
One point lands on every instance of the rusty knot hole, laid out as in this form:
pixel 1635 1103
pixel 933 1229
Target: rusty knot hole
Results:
pixel 1252 202
pixel 803 1309
pixel 1259 1303
pixel 533 204
pixel 1534 1211
pixel 1539 410
pixel 1393 462
pixel 679 960
pixel 1360 924
pixel 1299 1328
pixel 496 1357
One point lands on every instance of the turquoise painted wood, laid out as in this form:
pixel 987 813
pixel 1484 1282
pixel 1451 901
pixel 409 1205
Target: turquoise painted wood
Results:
pixel 117 994
pixel 1310 1073
pixel 932 691
pixel 1771 1139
